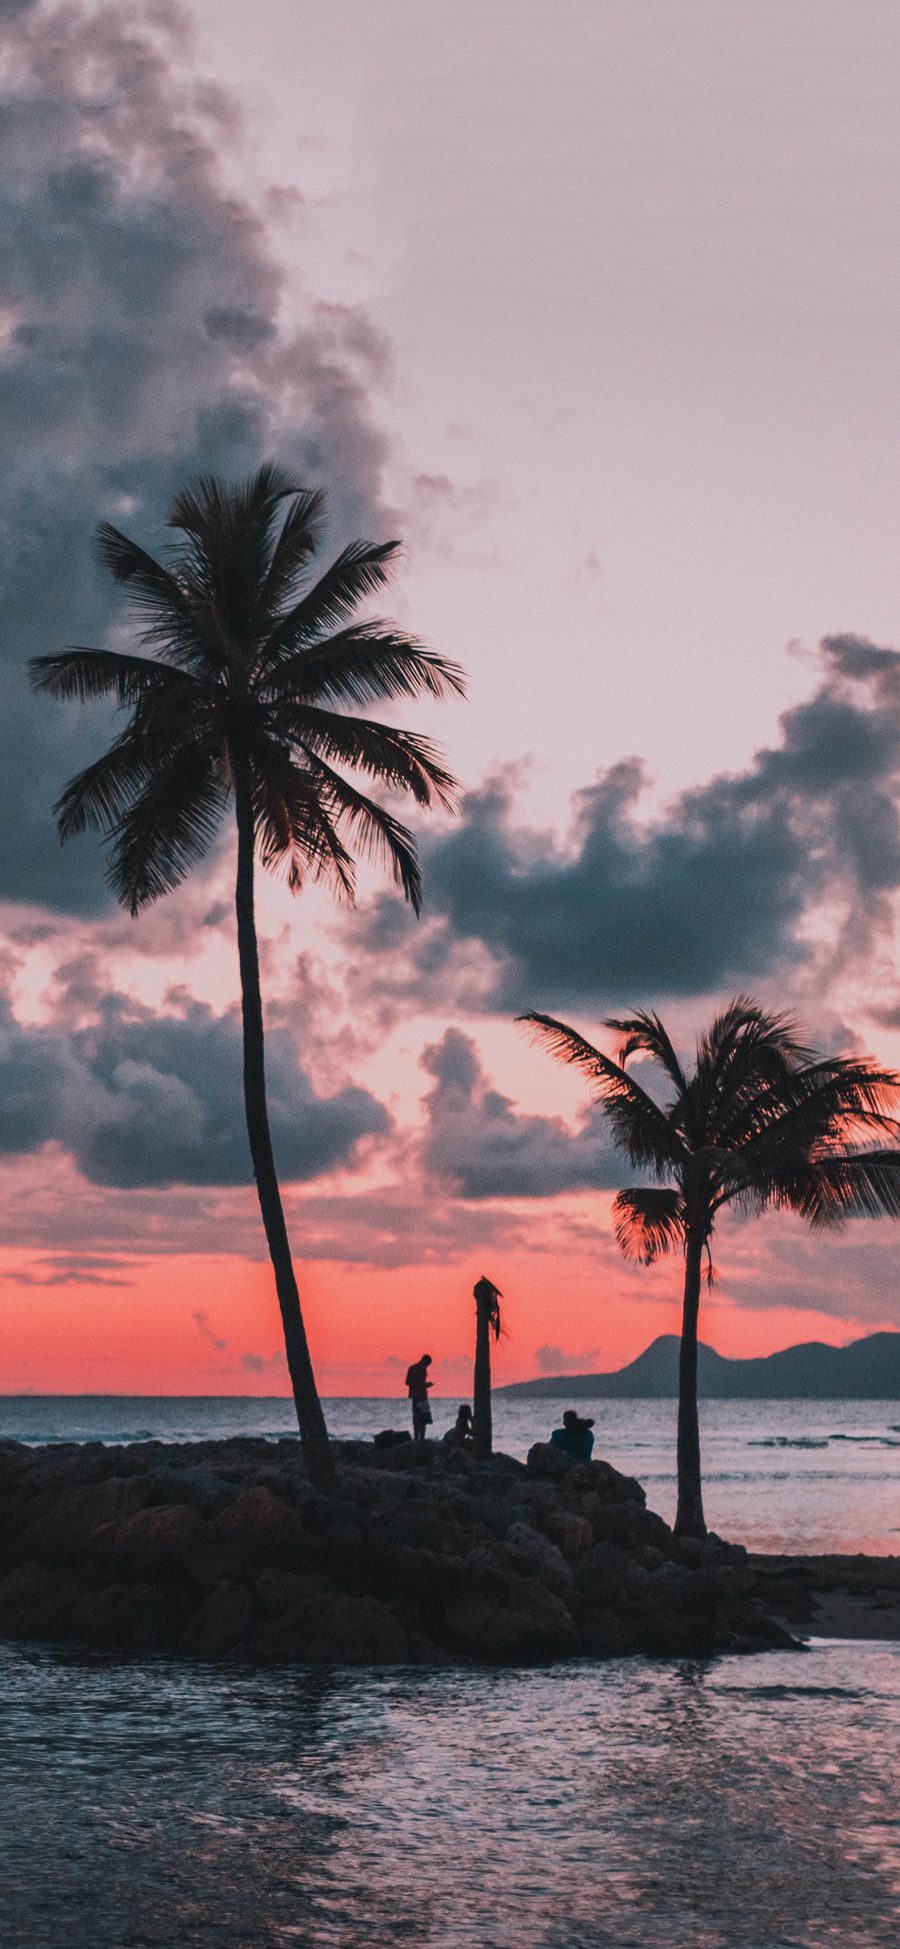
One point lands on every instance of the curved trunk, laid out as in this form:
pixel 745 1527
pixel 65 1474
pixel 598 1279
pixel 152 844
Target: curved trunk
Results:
pixel 482 1430
pixel 311 1420
pixel 689 1518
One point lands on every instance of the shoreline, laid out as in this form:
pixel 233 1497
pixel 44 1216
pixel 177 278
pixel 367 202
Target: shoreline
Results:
pixel 836 1596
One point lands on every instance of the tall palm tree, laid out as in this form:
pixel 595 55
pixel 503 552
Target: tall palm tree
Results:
pixel 251 694
pixel 762 1123
pixel 487 1299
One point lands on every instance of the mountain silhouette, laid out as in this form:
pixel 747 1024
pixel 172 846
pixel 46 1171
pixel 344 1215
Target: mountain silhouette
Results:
pixel 867 1370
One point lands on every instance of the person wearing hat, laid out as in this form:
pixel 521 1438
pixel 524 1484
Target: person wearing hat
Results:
pixel 574 1437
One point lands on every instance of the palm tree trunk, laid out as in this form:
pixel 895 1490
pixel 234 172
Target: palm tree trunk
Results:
pixel 311 1421
pixel 689 1519
pixel 482 1429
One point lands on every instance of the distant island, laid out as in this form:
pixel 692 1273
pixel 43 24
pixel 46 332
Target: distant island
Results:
pixel 867 1370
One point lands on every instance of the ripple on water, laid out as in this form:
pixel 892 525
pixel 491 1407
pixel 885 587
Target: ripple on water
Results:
pixel 634 1806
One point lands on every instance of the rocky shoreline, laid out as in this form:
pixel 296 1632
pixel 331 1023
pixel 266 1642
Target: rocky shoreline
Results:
pixel 224 1550
pixel 833 1596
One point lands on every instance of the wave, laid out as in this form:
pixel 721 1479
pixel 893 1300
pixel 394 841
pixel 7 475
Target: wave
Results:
pixel 820 1441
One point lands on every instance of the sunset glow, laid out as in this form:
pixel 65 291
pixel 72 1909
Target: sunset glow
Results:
pixel 624 384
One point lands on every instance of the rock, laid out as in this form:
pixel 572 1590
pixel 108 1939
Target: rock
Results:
pixel 278 1593
pixel 36 1600
pixel 671 1634
pixel 222 1549
pixel 601 1479
pixel 419 1528
pixel 509 1618
pixel 199 1487
pixel 391 1437
pixel 572 1534
pixel 551 1463
pixel 406 1455
pixel 131 1617
pixel 256 1532
pixel 604 1636
pixel 600 1575
pixel 534 1555
pixel 221 1622
pixel 332 1628
pixel 153 1543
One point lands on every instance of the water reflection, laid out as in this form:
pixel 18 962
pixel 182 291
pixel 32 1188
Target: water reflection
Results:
pixel 736 1805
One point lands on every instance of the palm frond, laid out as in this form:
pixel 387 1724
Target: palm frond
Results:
pixel 167 828
pixel 361 665
pixel 644 1033
pixel 357 572
pixel 293 549
pixel 402 760
pixel 86 675
pixel 648 1222
pixel 228 539
pixel 852 1184
pixel 641 1128
pixel 295 826
pixel 98 797
pixel 379 835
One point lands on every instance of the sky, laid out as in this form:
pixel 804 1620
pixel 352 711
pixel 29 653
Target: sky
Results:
pixel 595 307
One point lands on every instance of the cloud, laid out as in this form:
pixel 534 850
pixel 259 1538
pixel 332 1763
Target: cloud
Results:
pixel 140 342
pixel 477 1141
pixel 70 1269
pixel 554 1360
pixel 206 1332
pixel 143 1099
pixel 718 889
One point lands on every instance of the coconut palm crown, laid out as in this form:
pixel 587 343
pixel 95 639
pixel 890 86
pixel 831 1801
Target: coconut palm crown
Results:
pixel 251 691
pixel 762 1122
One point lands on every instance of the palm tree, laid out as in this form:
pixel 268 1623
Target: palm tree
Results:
pixel 762 1123
pixel 487 1298
pixel 251 694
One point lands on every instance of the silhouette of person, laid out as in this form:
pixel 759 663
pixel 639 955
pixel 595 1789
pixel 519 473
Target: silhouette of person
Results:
pixel 460 1435
pixel 574 1437
pixel 417 1384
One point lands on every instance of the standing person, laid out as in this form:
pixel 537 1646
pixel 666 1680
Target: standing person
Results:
pixel 417 1384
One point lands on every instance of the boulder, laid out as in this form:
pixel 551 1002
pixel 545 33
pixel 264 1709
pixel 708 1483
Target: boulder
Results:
pixel 256 1532
pixel 221 1622
pixel 572 1534
pixel 509 1618
pixel 548 1462
pixel 199 1487
pixel 332 1628
pixel 600 1576
pixel 152 1543
pixel 533 1555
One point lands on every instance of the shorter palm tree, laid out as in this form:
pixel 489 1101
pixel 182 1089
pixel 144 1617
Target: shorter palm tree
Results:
pixel 763 1123
pixel 487 1298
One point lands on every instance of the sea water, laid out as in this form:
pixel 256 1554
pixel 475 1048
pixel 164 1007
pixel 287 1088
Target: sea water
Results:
pixel 729 1804
pixel 736 1804
pixel 795 1476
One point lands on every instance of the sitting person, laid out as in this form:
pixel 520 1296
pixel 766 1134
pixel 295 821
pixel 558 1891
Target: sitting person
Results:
pixel 460 1435
pixel 574 1436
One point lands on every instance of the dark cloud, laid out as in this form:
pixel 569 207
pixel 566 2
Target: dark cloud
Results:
pixel 716 890
pixel 142 1099
pixel 478 1142
pixel 139 343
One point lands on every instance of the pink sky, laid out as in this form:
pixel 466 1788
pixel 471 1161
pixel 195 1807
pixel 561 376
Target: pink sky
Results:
pixel 596 306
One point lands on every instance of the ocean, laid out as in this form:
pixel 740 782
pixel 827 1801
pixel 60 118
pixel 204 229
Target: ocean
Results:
pixel 735 1803
pixel 795 1476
